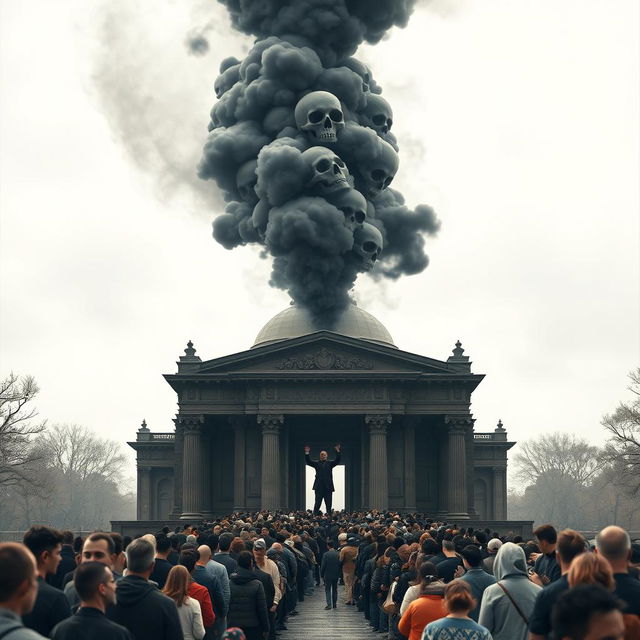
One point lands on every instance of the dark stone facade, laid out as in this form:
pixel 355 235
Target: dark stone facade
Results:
pixel 404 422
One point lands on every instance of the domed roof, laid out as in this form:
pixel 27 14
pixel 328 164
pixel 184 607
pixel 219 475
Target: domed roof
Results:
pixel 295 321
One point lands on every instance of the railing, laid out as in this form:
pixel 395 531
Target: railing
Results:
pixel 163 436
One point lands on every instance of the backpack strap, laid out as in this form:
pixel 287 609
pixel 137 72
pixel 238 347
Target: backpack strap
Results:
pixel 514 603
pixel 6 632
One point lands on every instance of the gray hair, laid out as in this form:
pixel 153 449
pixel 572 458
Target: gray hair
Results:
pixel 140 556
pixel 613 542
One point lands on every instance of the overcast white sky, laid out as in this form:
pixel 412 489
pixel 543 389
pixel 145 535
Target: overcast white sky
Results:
pixel 517 121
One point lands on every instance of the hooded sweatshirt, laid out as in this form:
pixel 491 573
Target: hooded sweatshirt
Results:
pixel 248 605
pixel 145 611
pixel 497 612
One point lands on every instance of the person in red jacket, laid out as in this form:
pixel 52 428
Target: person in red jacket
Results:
pixel 197 591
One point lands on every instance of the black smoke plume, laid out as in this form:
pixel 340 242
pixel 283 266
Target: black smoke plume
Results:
pixel 301 146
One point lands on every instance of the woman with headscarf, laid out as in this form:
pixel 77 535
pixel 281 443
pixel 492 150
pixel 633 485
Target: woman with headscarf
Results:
pixel 507 605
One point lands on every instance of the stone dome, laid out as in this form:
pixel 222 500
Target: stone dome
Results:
pixel 295 321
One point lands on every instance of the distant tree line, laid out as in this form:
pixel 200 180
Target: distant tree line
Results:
pixel 62 475
pixel 575 484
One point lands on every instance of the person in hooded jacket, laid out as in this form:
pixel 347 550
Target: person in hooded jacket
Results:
pixel 427 607
pixel 140 607
pixel 248 605
pixel 507 605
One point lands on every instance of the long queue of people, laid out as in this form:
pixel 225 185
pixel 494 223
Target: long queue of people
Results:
pixel 242 577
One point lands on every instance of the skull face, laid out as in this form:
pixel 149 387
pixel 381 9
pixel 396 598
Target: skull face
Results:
pixel 376 173
pixel 378 114
pixel 353 204
pixel 246 180
pixel 328 172
pixel 368 245
pixel 361 69
pixel 319 116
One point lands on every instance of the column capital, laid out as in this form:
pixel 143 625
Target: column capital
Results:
pixel 378 423
pixel 189 424
pixel 459 424
pixel 270 423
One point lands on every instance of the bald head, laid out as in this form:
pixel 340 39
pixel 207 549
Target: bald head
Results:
pixel 323 455
pixel 205 553
pixel 614 544
pixel 276 546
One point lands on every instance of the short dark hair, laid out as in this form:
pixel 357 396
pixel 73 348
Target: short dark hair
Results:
pixel 245 559
pixel 87 577
pixel 101 535
pixel 575 607
pixel 448 545
pixel 330 544
pixel 39 539
pixel 118 542
pixel 481 537
pixel 225 540
pixel 212 541
pixel 547 533
pixel 472 555
pixel 67 538
pixel 188 559
pixel 570 544
pixel 16 566
pixel 140 556
pixel 163 544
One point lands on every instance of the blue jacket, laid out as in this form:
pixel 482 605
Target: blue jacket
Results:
pixel 478 580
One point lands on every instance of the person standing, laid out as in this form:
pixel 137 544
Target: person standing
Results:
pixel 477 578
pixel 51 606
pixel 546 568
pixel 330 568
pixel 248 605
pixel 323 483
pixel 162 565
pixel 177 588
pixel 348 555
pixel 96 588
pixel 18 590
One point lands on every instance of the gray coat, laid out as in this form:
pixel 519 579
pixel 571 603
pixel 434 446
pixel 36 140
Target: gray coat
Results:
pixel 497 612
pixel 331 567
pixel 11 620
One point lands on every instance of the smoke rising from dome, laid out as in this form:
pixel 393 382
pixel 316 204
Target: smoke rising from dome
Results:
pixel 301 146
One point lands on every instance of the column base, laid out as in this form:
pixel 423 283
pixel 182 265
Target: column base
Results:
pixel 457 516
pixel 207 515
pixel 191 516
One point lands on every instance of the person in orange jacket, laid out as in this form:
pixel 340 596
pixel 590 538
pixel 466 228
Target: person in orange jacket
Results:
pixel 429 605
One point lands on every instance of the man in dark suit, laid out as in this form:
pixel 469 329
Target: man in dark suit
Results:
pixel 330 572
pixel 323 485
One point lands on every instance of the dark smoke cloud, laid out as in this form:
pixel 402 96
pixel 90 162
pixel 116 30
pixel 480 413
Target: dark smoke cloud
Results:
pixel 301 147
pixel 197 43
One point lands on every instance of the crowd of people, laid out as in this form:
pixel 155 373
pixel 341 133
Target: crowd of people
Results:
pixel 242 578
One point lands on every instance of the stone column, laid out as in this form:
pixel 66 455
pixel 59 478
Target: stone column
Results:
pixel 499 494
pixel 144 493
pixel 410 463
pixel 378 468
pixel 192 476
pixel 271 489
pixel 206 470
pixel 457 503
pixel 239 462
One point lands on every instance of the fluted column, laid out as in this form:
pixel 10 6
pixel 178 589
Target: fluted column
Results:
pixel 378 468
pixel 271 489
pixel 410 463
pixel 457 503
pixel 499 494
pixel 239 473
pixel 192 473
pixel 144 493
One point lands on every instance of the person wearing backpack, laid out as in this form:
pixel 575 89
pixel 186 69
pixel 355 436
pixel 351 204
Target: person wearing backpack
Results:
pixel 507 605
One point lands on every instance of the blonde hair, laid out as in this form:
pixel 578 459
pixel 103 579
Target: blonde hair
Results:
pixel 177 585
pixel 591 568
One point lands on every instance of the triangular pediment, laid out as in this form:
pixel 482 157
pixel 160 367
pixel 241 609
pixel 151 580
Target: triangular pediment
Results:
pixel 323 352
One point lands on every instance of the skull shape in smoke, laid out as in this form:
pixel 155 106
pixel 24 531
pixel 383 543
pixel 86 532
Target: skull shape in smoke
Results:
pixel 352 204
pixel 367 245
pixel 328 173
pixel 319 116
pixel 377 114
pixel 376 172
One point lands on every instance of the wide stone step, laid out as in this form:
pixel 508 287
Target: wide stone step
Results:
pixel 313 622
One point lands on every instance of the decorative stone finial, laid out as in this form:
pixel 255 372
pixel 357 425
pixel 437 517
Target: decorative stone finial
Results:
pixel 143 426
pixel 189 360
pixel 190 351
pixel 144 433
pixel 458 359
pixel 458 351
pixel 500 427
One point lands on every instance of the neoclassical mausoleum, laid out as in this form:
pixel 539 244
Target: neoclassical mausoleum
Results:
pixel 404 422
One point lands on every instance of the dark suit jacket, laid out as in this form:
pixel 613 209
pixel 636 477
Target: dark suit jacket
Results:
pixel 324 475
pixel 331 567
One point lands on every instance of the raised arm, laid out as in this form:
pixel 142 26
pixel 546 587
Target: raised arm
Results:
pixel 307 458
pixel 336 460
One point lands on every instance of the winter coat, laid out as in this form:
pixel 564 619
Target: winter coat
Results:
pixel 145 611
pixel 330 567
pixel 248 605
pixel 425 609
pixel 89 624
pixel 497 612
pixel 11 624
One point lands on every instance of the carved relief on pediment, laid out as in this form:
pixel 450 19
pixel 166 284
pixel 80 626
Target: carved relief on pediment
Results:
pixel 324 359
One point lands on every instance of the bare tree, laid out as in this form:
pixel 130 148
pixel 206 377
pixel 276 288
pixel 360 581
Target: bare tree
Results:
pixel 18 425
pixel 623 426
pixel 558 455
